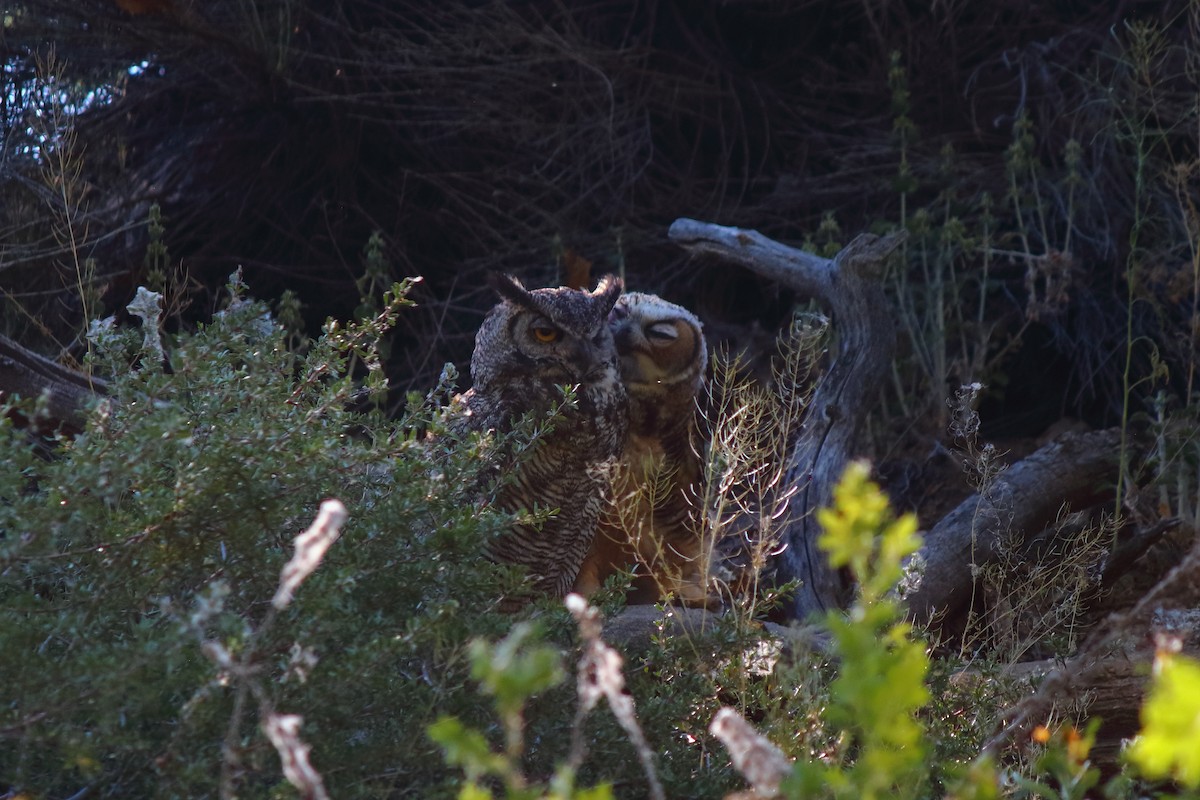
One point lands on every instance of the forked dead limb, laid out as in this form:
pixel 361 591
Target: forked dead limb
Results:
pixel 848 289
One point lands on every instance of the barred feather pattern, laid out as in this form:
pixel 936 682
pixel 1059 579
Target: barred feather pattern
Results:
pixel 530 345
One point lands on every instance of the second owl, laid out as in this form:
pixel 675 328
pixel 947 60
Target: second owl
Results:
pixel 650 520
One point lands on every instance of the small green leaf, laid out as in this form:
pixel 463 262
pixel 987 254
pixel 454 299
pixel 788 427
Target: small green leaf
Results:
pixel 465 748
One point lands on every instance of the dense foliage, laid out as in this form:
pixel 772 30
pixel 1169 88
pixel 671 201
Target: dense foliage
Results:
pixel 1043 161
pixel 138 562
pixel 165 526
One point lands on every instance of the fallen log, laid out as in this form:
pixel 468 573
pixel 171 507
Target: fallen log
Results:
pixel 1074 471
pixel 1110 669
pixel 65 394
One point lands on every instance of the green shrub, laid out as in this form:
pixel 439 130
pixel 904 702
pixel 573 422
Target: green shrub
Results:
pixel 141 651
pixel 160 532
pixel 880 686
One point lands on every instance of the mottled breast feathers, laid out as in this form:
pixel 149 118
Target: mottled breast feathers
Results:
pixel 530 345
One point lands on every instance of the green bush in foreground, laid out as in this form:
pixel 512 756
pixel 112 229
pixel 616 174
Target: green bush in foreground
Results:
pixel 141 654
pixel 145 650
pixel 158 536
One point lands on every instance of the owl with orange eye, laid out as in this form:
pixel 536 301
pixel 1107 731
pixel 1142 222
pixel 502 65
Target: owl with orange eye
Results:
pixel 650 523
pixel 531 344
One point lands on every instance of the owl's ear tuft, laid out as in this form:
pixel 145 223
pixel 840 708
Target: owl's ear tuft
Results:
pixel 508 287
pixel 608 291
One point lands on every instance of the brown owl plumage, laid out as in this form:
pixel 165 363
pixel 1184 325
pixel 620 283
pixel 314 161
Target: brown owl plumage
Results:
pixel 651 519
pixel 530 344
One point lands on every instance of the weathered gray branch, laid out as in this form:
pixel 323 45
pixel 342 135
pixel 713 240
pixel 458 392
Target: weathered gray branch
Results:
pixel 67 393
pixel 1073 471
pixel 848 290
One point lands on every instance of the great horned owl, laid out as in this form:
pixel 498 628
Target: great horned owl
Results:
pixel 530 344
pixel 650 520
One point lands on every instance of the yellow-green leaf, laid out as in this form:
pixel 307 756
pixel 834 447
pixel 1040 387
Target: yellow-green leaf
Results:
pixel 1169 744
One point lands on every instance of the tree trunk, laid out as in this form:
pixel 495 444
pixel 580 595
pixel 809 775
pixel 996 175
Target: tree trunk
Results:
pixel 848 290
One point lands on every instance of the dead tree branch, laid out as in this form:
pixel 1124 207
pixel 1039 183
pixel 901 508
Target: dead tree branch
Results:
pixel 848 290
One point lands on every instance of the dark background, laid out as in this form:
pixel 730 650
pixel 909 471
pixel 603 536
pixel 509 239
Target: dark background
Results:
pixel 532 137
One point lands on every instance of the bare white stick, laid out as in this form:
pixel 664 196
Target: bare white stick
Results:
pixel 761 763
pixel 284 732
pixel 310 549
pixel 600 676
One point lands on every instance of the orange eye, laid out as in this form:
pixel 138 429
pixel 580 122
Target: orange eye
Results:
pixel 545 334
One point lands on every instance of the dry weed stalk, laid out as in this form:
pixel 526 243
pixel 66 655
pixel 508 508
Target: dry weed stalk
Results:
pixel 1035 595
pixel 983 466
pixel 751 428
pixel 1176 460
pixel 600 676
pixel 60 159
pixel 1030 593
pixel 243 671
pixel 676 561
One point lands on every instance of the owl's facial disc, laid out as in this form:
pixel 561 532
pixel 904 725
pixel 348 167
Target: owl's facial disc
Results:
pixel 663 354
